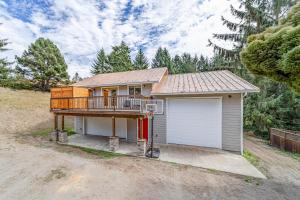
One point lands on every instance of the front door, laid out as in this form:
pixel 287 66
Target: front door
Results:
pixel 145 128
pixel 105 95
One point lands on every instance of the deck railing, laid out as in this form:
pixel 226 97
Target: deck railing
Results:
pixel 109 103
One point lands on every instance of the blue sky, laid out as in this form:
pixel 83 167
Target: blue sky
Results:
pixel 81 27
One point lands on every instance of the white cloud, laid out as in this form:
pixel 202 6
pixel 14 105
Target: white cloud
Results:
pixel 183 26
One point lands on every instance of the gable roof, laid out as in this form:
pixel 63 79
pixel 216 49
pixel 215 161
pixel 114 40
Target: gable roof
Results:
pixel 153 75
pixel 203 83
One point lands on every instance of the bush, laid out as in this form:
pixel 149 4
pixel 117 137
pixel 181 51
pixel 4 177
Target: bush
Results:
pixel 18 84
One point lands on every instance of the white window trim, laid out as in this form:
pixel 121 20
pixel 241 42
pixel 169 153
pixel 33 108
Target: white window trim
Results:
pixel 135 85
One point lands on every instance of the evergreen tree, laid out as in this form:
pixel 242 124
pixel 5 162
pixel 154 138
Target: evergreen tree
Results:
pixel 163 59
pixel 76 78
pixel 252 19
pixel 119 58
pixel 177 64
pixel 188 63
pixel 43 64
pixel 217 62
pixel 275 53
pixel 203 64
pixel 140 62
pixel 4 70
pixel 100 64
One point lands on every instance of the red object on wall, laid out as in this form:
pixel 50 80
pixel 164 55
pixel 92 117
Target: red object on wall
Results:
pixel 145 128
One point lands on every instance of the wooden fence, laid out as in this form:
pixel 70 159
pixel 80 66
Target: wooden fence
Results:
pixel 285 139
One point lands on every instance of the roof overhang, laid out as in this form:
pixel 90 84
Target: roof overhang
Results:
pixel 203 93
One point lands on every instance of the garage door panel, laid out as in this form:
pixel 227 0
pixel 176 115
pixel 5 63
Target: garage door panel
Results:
pixel 103 126
pixel 194 122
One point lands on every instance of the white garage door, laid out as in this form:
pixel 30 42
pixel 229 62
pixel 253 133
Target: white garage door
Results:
pixel 103 126
pixel 195 121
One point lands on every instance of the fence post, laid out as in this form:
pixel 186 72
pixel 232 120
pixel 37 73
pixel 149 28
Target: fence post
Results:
pixel 285 140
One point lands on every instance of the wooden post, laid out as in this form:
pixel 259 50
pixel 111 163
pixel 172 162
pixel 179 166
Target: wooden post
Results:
pixel 62 122
pixel 141 128
pixel 113 126
pixel 56 126
pixel 55 122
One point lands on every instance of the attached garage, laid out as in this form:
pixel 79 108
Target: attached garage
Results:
pixel 195 121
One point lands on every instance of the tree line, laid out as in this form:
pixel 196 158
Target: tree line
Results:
pixel 119 60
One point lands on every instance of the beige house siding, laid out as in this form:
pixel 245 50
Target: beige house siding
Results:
pixel 146 90
pixel 231 122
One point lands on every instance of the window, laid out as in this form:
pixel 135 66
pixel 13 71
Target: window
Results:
pixel 135 90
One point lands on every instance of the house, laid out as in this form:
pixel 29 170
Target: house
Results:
pixel 200 109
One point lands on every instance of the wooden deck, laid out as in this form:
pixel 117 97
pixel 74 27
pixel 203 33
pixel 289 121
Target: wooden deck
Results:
pixel 99 113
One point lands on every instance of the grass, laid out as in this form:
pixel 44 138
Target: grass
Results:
pixel 251 158
pixel 70 131
pixel 296 156
pixel 42 132
pixel 46 131
pixel 100 153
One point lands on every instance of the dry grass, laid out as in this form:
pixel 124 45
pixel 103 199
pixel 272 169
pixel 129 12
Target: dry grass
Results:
pixel 24 111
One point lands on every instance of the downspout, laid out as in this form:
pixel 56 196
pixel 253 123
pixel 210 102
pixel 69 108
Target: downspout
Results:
pixel 242 121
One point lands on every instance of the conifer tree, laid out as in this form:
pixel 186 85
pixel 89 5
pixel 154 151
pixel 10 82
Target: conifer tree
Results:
pixel 43 64
pixel 163 59
pixel 140 62
pixel 100 64
pixel 119 58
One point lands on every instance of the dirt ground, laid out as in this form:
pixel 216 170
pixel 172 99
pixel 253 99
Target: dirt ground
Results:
pixel 274 163
pixel 33 168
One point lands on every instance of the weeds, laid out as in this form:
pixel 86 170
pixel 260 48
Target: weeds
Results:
pixel 251 158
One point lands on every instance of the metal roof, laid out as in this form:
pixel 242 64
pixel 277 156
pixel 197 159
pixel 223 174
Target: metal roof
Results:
pixel 203 83
pixel 153 75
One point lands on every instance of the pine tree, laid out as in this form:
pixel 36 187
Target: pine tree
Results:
pixel 203 64
pixel 252 20
pixel 76 78
pixel 275 52
pixel 43 64
pixel 4 70
pixel 188 63
pixel 163 59
pixel 100 64
pixel 256 16
pixel 119 58
pixel 177 64
pixel 140 62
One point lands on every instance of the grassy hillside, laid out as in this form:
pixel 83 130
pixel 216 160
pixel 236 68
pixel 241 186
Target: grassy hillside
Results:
pixel 24 111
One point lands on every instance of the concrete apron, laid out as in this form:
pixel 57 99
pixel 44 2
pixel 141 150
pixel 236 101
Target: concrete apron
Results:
pixel 195 156
pixel 209 158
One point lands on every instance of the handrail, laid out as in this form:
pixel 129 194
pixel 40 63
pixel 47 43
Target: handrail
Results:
pixel 119 102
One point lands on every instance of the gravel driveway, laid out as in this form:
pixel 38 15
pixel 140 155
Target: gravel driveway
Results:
pixel 276 165
pixel 41 172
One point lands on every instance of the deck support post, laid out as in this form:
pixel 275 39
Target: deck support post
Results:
pixel 113 126
pixel 62 123
pixel 55 123
pixel 56 126
pixel 83 125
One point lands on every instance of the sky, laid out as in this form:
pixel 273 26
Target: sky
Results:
pixel 81 27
